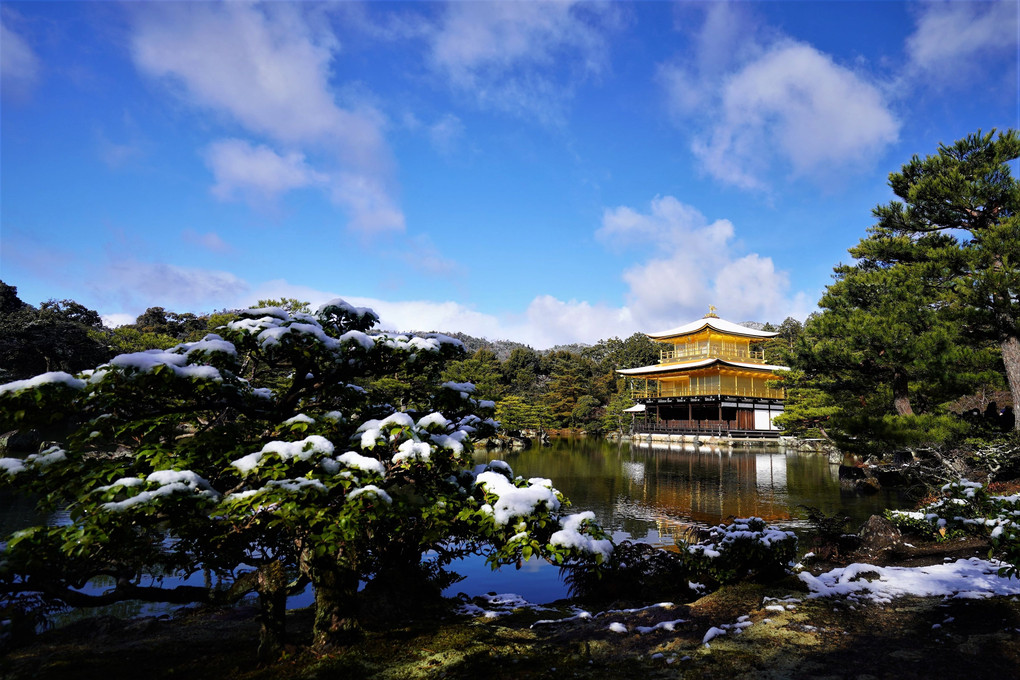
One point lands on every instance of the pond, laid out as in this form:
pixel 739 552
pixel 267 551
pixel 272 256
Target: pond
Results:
pixel 643 492
pixel 653 493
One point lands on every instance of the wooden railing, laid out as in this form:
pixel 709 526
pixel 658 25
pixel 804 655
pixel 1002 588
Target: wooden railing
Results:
pixel 654 388
pixel 695 425
pixel 712 352
pixel 706 427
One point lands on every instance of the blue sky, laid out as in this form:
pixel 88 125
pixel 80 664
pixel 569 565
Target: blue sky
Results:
pixel 546 173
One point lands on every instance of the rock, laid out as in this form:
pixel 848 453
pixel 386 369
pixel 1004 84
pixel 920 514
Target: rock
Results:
pixel 868 486
pixel 858 479
pixel 903 457
pixel 890 476
pixel 503 442
pixel 879 535
pixel 19 442
pixel 851 473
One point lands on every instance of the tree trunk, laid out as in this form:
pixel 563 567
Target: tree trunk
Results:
pixel 271 585
pixel 901 395
pixel 269 581
pixel 272 624
pixel 1011 359
pixel 336 610
pixel 825 435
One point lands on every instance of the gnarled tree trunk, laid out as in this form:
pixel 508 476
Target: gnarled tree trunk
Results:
pixel 336 607
pixel 270 582
pixel 272 589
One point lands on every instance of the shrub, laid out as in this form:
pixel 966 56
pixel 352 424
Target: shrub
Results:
pixel 963 507
pixel 634 571
pixel 745 549
pixel 968 508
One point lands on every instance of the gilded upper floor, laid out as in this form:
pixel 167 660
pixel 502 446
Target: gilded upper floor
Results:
pixel 710 338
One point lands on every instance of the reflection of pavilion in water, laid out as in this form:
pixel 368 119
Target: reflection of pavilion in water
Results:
pixel 679 488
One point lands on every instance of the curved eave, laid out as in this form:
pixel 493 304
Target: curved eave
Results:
pixel 704 363
pixel 720 325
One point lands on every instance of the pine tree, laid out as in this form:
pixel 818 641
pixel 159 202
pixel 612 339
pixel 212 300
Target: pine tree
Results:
pixel 257 455
pixel 958 212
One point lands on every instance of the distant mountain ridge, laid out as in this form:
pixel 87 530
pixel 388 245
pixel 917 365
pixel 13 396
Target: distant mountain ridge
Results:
pixel 503 348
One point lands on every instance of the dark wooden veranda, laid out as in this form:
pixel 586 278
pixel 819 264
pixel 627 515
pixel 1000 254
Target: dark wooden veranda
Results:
pixel 710 428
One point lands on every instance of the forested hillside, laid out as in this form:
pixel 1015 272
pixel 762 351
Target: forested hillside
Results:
pixel 572 386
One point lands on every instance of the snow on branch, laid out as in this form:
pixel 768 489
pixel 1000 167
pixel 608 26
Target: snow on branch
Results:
pixel 54 377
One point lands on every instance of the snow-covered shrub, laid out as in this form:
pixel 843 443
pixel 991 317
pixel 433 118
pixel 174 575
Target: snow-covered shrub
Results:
pixel 921 523
pixel 258 455
pixel 963 507
pixel 968 508
pixel 746 549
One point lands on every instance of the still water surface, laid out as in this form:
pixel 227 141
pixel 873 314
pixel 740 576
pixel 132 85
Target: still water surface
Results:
pixel 653 493
pixel 641 492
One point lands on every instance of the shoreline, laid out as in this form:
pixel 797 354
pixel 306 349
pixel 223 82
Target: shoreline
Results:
pixel 760 630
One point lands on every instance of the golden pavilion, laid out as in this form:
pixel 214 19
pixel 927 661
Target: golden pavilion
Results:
pixel 711 378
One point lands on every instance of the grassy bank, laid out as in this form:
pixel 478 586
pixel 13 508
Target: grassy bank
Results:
pixel 774 631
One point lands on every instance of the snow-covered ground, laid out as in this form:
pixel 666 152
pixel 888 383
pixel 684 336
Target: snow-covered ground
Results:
pixel 971 579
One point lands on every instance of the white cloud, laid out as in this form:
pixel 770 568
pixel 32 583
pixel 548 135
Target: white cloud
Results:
pixel 124 145
pixel 697 263
pixel 796 100
pixel 114 154
pixel 669 221
pixel 275 289
pixel 724 40
pixel 423 255
pixel 210 241
pixel 760 106
pixel 19 65
pixel 504 54
pixel 952 37
pixel 268 68
pixel 751 284
pixel 140 284
pixel 425 315
pixel 257 172
pixel 550 321
pixel 372 209
pixel 115 320
pixel 394 315
pixel 445 133
pixel 546 322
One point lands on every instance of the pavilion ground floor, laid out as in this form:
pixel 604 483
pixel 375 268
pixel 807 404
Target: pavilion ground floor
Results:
pixel 715 415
